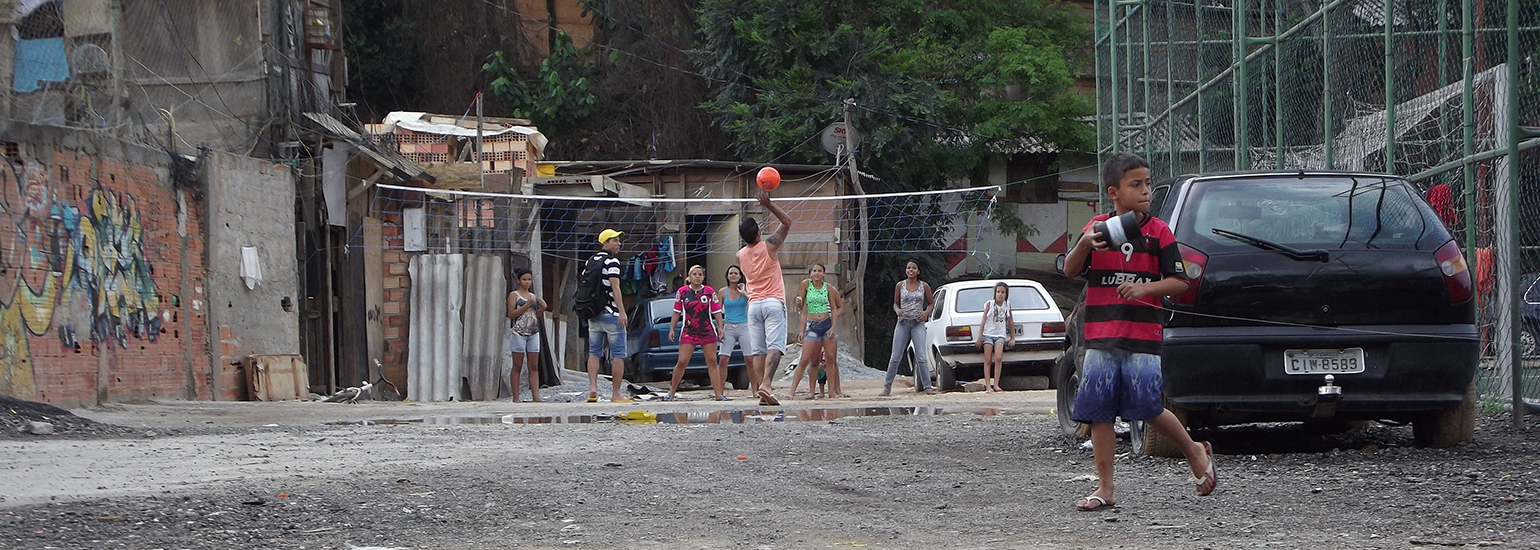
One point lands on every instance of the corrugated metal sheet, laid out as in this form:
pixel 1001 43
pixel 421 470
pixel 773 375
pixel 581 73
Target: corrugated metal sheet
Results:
pixel 486 324
pixel 435 331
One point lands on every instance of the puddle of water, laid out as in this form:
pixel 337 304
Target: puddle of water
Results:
pixel 743 416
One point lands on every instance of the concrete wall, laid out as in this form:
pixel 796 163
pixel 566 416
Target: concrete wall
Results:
pixel 250 204
pixel 101 277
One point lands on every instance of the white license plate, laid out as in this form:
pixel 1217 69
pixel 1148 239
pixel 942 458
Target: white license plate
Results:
pixel 1021 329
pixel 1323 361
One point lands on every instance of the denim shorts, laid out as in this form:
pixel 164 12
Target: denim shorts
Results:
pixel 1117 383
pixel 734 335
pixel 519 343
pixel 991 340
pixel 606 326
pixel 818 331
pixel 767 326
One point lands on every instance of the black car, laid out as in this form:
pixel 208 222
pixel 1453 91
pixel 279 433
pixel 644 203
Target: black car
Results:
pixel 1314 296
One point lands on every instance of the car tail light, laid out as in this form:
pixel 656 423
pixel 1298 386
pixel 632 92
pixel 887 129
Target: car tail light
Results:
pixel 653 340
pixel 1456 273
pixel 1193 264
pixel 1053 330
pixel 959 332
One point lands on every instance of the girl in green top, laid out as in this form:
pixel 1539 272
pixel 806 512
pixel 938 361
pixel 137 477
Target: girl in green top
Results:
pixel 819 302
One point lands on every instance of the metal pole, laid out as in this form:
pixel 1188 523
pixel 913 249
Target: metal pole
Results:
pixel 860 279
pixel 1468 123
pixel 1242 154
pixel 1197 7
pixel 481 155
pixel 1112 59
pixel 1328 129
pixel 1443 74
pixel 1514 311
pixel 1390 87
pixel 1278 85
pixel 1171 138
pixel 1144 19
pixel 1101 123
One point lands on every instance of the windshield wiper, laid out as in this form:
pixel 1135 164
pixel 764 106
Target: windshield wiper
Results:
pixel 1319 254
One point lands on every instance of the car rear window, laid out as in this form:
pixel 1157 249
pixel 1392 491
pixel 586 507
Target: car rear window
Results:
pixel 1316 212
pixel 662 311
pixel 971 300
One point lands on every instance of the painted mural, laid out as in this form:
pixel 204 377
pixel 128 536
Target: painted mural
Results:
pixel 72 260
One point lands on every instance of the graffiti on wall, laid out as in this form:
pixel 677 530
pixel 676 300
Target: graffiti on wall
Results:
pixel 72 260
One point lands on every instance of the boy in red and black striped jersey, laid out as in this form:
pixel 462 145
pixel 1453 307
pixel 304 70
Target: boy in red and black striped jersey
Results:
pixel 1121 372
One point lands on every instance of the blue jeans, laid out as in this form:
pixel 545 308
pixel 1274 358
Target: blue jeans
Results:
pixel 907 332
pixel 606 326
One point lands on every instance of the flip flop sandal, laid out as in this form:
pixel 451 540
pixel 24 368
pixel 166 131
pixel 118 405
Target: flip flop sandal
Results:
pixel 766 399
pixel 593 397
pixel 1099 504
pixel 1211 474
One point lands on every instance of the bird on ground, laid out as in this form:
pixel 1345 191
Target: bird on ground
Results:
pixel 351 394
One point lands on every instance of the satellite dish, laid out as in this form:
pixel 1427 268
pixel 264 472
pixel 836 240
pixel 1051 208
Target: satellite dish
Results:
pixel 834 138
pixel 90 59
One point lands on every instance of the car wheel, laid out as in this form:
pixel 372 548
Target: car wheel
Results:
pixel 1067 377
pixel 1148 441
pixel 946 377
pixel 739 377
pixel 1528 344
pixel 1449 427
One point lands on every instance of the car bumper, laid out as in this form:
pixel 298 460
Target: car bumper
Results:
pixel 1039 351
pixel 650 362
pixel 1240 370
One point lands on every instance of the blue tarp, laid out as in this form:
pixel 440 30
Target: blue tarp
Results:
pixel 40 60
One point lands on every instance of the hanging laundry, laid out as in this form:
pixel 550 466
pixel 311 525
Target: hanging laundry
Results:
pixel 666 251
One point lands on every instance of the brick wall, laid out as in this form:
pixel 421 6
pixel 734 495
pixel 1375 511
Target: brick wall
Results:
pixel 96 300
pixel 397 285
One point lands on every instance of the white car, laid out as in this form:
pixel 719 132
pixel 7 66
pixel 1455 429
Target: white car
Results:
pixel 953 329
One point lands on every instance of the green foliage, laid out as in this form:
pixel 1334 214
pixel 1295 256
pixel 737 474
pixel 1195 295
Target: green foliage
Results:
pixel 941 86
pixel 382 64
pixel 558 98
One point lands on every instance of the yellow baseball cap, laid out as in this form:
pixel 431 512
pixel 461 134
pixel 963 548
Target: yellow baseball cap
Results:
pixel 608 234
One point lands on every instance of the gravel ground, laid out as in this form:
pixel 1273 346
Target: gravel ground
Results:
pixel 893 480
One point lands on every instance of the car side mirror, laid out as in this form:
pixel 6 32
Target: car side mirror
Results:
pixel 1058 264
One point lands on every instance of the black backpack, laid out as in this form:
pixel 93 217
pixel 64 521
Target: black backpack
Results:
pixel 590 299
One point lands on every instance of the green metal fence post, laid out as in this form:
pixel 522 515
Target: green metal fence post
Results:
pixel 1515 325
pixel 1171 138
pixel 1197 8
pixel 1327 128
pixel 1096 29
pixel 1390 87
pixel 1242 153
pixel 1278 84
pixel 1144 18
pixel 1468 123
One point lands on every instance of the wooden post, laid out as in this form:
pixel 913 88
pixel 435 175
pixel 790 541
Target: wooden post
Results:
pixel 859 281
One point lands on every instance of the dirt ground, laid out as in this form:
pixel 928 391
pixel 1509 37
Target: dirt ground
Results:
pixel 911 471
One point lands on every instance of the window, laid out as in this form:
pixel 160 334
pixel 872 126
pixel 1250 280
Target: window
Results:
pixel 940 305
pixel 1533 294
pixel 971 300
pixel 1333 213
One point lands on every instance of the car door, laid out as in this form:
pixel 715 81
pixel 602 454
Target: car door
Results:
pixel 935 325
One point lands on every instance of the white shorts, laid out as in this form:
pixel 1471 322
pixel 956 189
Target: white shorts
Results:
pixel 767 326
pixel 734 335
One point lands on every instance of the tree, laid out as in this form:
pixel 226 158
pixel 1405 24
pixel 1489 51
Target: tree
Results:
pixel 558 98
pixel 939 85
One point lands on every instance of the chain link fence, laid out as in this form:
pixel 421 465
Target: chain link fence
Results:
pixel 1444 92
